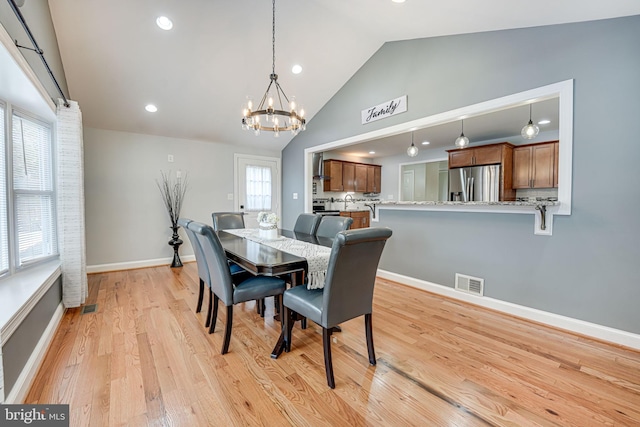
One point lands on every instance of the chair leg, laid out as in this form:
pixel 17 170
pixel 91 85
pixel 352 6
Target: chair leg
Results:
pixel 214 316
pixel 287 327
pixel 259 307
pixel 328 365
pixel 369 331
pixel 208 322
pixel 227 331
pixel 277 301
pixel 263 307
pixel 200 296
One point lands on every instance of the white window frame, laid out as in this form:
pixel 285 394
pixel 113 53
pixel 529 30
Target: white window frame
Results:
pixel 14 262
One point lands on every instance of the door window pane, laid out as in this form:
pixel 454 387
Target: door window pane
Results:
pixel 258 188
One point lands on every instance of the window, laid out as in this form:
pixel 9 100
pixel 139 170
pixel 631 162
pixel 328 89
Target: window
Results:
pixel 27 197
pixel 4 221
pixel 33 189
pixel 258 188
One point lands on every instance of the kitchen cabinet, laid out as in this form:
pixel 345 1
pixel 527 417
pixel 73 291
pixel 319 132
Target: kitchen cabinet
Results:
pixel 348 176
pixel 360 218
pixel 535 165
pixel 333 171
pixel 477 156
pixel 351 176
pixel 492 154
pixel 361 178
pixel 374 178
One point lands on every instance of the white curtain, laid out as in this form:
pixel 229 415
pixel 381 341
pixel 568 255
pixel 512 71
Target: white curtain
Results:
pixel 70 204
pixel 258 188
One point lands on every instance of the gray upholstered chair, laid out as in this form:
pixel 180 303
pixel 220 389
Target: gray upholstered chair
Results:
pixel 347 293
pixel 203 271
pixel 332 225
pixel 307 223
pixel 237 272
pixel 227 220
pixel 253 288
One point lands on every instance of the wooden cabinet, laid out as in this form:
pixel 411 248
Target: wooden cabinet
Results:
pixel 492 154
pixel 350 176
pixel 333 170
pixel 535 165
pixel 360 218
pixel 374 178
pixel 361 178
pixel 477 156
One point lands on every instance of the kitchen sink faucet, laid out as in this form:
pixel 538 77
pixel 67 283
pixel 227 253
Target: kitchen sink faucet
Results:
pixel 346 199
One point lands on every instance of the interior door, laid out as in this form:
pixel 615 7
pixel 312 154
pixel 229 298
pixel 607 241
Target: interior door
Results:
pixel 408 184
pixel 257 186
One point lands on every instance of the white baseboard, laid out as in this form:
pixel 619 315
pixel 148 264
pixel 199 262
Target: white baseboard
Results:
pixel 593 330
pixel 101 268
pixel 23 383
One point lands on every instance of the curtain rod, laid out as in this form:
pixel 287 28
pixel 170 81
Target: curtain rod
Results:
pixel 36 48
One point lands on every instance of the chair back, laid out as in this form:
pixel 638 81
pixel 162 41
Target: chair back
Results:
pixel 332 225
pixel 201 262
pixel 307 223
pixel 351 274
pixel 214 254
pixel 227 220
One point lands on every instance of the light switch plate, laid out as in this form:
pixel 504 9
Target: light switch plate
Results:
pixel 229 196
pixel 295 196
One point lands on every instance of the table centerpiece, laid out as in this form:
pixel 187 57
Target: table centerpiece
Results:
pixel 268 225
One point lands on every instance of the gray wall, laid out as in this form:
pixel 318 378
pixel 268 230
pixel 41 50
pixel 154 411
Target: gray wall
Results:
pixel 125 215
pixel 20 345
pixel 589 268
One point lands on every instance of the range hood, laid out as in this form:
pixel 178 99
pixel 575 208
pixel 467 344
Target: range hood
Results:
pixel 318 167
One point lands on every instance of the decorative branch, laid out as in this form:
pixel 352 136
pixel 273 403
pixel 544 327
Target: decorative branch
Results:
pixel 173 194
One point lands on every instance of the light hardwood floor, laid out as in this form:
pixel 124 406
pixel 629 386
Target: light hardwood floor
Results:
pixel 145 358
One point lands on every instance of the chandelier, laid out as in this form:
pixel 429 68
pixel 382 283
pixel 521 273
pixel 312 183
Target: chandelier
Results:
pixel 268 116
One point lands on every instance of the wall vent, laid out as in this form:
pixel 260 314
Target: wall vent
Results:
pixel 469 284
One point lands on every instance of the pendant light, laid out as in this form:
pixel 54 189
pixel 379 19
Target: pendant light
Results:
pixel 412 151
pixel 271 117
pixel 530 131
pixel 462 141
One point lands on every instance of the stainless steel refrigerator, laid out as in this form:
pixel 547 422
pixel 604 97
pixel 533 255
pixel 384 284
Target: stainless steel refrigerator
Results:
pixel 475 184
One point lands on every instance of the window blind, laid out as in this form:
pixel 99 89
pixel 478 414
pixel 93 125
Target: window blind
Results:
pixel 4 231
pixel 33 189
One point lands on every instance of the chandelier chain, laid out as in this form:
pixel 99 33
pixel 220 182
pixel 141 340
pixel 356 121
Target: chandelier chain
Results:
pixel 273 38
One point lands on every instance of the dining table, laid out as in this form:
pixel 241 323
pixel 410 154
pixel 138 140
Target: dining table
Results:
pixel 290 253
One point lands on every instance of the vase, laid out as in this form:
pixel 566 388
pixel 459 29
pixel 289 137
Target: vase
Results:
pixel 268 231
pixel 175 242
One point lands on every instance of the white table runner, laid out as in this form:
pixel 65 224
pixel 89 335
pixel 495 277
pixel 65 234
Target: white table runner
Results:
pixel 317 256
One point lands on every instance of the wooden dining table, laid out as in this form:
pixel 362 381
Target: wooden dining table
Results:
pixel 261 259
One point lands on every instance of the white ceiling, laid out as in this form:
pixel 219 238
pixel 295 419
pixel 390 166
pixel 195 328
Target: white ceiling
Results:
pixel 116 59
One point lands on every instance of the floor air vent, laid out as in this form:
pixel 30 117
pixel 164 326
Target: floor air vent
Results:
pixel 91 308
pixel 471 285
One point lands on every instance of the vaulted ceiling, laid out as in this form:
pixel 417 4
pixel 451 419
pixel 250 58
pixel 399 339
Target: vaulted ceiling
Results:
pixel 117 60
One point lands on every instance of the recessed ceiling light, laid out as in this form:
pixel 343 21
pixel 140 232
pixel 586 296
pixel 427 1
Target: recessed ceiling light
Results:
pixel 296 69
pixel 544 122
pixel 398 1
pixel 425 143
pixel 372 152
pixel 151 108
pixel 164 23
